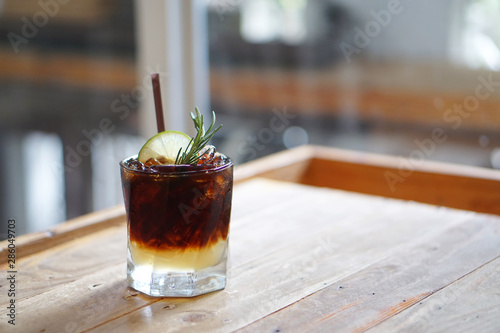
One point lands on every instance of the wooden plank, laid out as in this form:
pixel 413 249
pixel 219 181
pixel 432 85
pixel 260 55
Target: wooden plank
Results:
pixel 77 305
pixel 64 232
pixel 471 304
pixel 397 288
pixel 67 262
pixel 288 165
pixel 267 273
pixel 441 184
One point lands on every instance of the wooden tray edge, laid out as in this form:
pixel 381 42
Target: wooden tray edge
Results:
pixel 406 178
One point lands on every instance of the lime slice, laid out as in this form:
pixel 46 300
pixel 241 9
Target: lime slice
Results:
pixel 164 145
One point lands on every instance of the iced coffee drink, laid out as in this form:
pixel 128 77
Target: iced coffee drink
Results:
pixel 178 220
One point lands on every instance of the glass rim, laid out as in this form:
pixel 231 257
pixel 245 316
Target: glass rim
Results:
pixel 186 171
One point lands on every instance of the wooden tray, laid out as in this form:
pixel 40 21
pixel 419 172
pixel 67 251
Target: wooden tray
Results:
pixel 304 256
pixel 440 184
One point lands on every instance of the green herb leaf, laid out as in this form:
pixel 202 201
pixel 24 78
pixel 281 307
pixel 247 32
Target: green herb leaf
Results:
pixel 190 154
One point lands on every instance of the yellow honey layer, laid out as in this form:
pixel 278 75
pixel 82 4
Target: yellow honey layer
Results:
pixel 178 260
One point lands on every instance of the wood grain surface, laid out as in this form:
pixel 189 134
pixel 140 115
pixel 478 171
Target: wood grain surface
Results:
pixel 436 183
pixel 302 258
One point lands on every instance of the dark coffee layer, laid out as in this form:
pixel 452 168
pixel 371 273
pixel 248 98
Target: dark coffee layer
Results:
pixel 181 211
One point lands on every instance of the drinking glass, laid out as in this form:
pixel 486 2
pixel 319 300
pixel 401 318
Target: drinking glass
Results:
pixel 177 226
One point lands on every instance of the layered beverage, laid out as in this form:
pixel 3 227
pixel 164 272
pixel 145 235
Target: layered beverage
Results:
pixel 178 223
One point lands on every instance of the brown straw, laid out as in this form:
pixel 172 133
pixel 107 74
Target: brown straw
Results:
pixel 160 123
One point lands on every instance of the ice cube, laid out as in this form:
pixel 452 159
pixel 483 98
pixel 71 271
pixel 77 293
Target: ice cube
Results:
pixel 206 154
pixel 135 164
pixel 220 159
pixel 152 161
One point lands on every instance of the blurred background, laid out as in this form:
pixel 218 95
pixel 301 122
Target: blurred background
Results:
pixel 381 76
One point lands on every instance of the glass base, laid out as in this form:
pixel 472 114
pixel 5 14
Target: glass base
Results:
pixel 176 284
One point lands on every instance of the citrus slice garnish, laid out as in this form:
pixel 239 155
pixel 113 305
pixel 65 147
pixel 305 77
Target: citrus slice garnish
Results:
pixel 164 146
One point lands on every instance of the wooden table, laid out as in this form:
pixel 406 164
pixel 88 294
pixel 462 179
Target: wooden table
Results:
pixel 302 258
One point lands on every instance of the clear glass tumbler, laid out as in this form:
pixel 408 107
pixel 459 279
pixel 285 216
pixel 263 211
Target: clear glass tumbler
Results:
pixel 178 223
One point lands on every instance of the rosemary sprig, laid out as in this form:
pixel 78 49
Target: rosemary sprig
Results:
pixel 190 154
